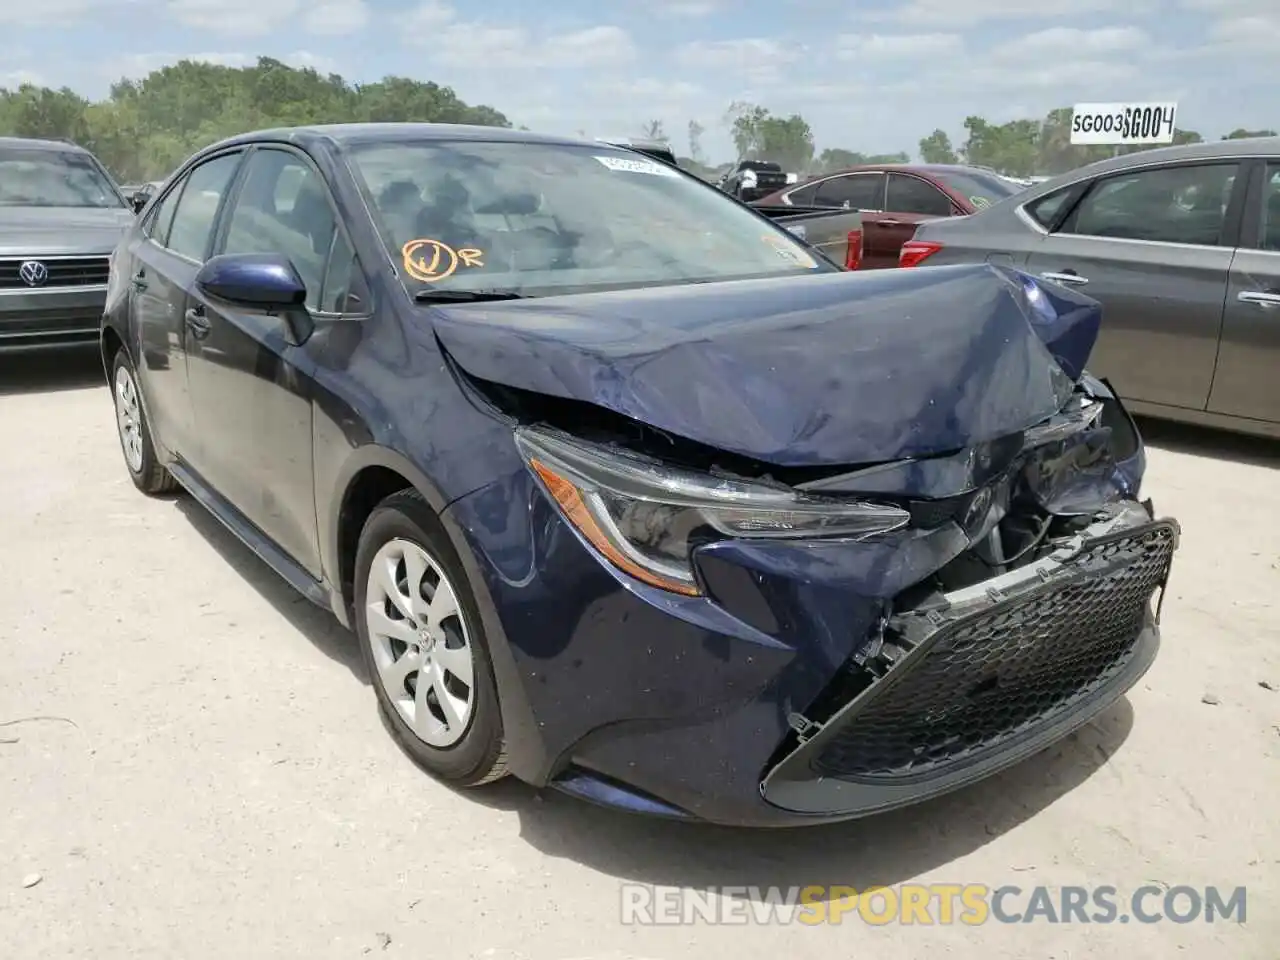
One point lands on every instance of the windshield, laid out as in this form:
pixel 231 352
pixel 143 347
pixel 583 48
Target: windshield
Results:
pixel 54 178
pixel 540 219
pixel 982 189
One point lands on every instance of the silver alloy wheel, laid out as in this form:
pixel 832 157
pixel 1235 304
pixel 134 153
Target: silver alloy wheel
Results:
pixel 421 645
pixel 129 418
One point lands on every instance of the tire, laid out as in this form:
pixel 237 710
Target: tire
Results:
pixel 404 633
pixel 145 469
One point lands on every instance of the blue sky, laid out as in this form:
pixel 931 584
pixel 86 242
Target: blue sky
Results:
pixel 870 76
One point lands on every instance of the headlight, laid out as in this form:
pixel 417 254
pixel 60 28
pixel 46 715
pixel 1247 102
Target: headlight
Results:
pixel 749 178
pixel 644 517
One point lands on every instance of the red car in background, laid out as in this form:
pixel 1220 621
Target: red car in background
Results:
pixel 895 198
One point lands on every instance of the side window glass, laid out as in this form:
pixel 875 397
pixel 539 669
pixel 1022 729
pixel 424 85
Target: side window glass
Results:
pixel 1184 204
pixel 863 191
pixel 1271 208
pixel 284 208
pixel 1045 210
pixel 161 218
pixel 197 208
pixel 344 289
pixel 913 195
pixel 804 197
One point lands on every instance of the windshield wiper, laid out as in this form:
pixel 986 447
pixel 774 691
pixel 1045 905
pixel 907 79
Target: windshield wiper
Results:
pixel 465 296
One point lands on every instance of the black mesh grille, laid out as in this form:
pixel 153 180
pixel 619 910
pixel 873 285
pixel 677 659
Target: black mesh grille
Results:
pixel 986 678
pixel 63 272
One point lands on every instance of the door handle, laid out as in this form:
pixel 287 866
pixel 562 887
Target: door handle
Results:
pixel 197 322
pixel 1262 298
pixel 1068 277
pixel 139 280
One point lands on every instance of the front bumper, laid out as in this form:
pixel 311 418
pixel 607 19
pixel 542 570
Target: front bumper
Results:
pixel 967 687
pixel 51 317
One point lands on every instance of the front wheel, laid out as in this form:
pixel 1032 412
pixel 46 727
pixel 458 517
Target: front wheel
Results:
pixel 420 634
pixel 145 469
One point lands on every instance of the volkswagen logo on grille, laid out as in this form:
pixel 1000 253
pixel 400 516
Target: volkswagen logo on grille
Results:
pixel 34 273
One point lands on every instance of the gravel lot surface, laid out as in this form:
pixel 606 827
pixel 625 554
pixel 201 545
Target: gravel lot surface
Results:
pixel 192 766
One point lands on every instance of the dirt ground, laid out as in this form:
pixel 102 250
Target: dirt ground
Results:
pixel 191 764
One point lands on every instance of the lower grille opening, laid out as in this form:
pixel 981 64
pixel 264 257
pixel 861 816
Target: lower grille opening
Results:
pixel 972 682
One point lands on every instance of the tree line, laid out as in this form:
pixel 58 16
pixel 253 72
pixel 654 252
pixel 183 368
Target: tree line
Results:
pixel 146 127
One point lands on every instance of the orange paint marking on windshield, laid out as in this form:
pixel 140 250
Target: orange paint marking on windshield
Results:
pixel 431 261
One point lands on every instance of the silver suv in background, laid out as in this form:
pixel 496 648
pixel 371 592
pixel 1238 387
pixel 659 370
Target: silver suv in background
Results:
pixel 61 215
pixel 1181 246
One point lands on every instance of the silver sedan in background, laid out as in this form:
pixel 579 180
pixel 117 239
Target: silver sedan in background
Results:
pixel 1181 245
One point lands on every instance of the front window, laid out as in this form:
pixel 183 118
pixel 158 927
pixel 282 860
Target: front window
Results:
pixel 54 178
pixel 541 219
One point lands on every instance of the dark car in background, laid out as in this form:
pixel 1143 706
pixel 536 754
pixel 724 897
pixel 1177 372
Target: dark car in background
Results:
pixel 752 179
pixel 625 491
pixel 1181 246
pixel 894 199
pixel 61 215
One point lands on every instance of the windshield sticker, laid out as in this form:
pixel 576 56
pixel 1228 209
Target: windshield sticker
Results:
pixel 627 165
pixel 979 202
pixel 431 261
pixel 789 252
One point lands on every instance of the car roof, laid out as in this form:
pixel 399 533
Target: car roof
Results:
pixel 343 134
pixel 32 143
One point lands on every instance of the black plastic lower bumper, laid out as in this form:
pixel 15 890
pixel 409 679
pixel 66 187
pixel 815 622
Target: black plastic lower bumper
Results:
pixel 973 686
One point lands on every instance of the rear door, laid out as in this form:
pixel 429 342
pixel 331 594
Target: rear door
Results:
pixel 910 200
pixel 1246 382
pixel 1154 246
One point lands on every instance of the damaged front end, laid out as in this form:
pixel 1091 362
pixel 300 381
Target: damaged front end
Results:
pixel 835 639
pixel 1040 623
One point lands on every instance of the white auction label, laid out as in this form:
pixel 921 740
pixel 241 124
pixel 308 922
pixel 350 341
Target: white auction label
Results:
pixel 1122 124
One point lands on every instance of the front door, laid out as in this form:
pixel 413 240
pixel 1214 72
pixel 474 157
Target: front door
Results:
pixel 1246 382
pixel 250 384
pixel 1152 246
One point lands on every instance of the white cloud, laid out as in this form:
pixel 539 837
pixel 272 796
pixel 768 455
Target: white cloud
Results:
pixel 971 12
pixel 336 17
pixel 12 79
pixel 1247 34
pixel 234 18
pixel 757 60
pixel 462 43
pixel 1071 43
pixel 57 12
pixel 912 46
pixel 689 8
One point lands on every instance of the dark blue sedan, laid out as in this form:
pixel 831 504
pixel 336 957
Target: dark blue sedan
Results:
pixel 624 489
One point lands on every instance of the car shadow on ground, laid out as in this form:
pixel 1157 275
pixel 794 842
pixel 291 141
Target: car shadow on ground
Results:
pixel 41 372
pixel 317 625
pixel 881 850
pixel 1206 442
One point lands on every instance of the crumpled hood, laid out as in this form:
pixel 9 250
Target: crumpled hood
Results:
pixel 31 231
pixel 843 368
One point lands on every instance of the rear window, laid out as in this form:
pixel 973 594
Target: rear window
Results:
pixel 982 189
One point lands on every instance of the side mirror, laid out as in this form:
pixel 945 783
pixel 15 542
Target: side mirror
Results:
pixel 260 281
pixel 139 200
